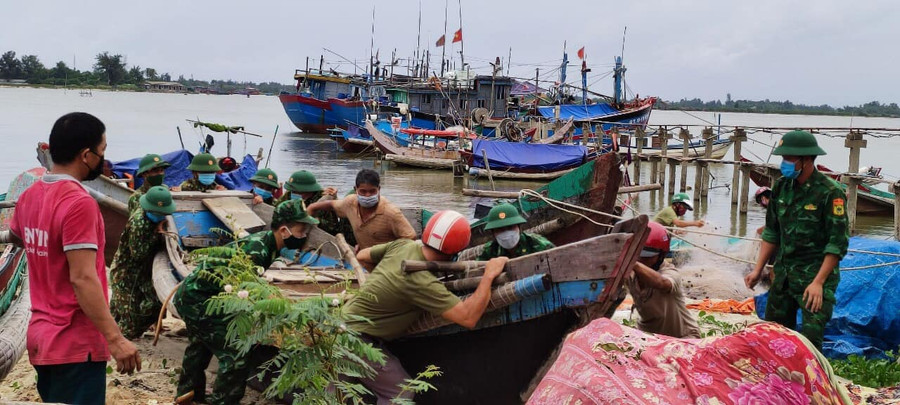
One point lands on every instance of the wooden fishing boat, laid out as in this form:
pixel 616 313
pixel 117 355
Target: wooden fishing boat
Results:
pixel 15 306
pixel 870 200
pixel 695 149
pixel 354 139
pixel 431 158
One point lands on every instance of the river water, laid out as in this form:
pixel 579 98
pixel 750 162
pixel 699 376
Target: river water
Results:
pixel 140 123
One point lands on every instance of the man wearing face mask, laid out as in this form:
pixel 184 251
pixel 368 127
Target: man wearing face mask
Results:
pixel 671 215
pixel 206 333
pixel 265 182
pixel 806 222
pixel 374 219
pixel 204 168
pixel 302 185
pixel 71 334
pixel 152 169
pixel 134 304
pixel 655 286
pixel 509 240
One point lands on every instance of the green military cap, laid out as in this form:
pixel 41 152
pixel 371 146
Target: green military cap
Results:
pixel 302 181
pixel 266 176
pixel 158 200
pixel 204 163
pixel 503 215
pixel 798 143
pixel 684 199
pixel 292 211
pixel 150 162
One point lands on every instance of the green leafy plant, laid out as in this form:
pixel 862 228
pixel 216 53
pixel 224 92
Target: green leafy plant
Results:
pixel 715 327
pixel 417 385
pixel 874 373
pixel 631 323
pixel 317 352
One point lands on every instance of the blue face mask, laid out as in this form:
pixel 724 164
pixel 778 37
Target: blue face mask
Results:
pixel 262 193
pixel 295 196
pixel 206 178
pixel 155 218
pixel 789 169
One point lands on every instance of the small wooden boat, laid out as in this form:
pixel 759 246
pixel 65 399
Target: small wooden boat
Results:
pixel 354 139
pixel 870 200
pixel 695 149
pixel 416 156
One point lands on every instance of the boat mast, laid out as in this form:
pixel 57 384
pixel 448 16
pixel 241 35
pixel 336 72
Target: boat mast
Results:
pixel 584 72
pixel 372 49
pixel 444 45
pixel 619 74
pixel 418 41
pixel 462 58
pixel 562 75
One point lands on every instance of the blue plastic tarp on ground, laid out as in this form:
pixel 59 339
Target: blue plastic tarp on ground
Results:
pixel 176 174
pixel 578 112
pixel 504 155
pixel 866 319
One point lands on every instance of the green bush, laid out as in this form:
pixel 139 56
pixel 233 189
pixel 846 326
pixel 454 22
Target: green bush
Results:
pixel 874 373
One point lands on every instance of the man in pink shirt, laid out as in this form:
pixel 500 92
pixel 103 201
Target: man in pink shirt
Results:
pixel 71 333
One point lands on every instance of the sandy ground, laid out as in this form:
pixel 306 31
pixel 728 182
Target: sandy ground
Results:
pixel 155 384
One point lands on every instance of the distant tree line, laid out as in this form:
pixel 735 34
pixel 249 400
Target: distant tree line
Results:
pixel 871 109
pixel 112 71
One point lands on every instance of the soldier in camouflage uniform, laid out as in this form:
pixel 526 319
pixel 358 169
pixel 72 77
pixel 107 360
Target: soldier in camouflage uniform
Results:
pixel 204 167
pixel 134 304
pixel 509 240
pixel 152 170
pixel 302 185
pixel 265 182
pixel 206 333
pixel 806 222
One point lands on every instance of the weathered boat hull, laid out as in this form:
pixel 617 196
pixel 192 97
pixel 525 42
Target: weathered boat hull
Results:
pixel 317 116
pixel 415 157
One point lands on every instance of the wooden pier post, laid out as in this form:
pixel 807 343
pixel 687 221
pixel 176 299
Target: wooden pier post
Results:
pixel 685 136
pixel 855 142
pixel 698 179
pixel 487 166
pixel 640 135
pixel 672 164
pixel 738 137
pixel 663 137
pixel 654 173
pixel 745 188
pixel 708 139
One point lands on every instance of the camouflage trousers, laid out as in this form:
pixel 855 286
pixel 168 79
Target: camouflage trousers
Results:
pixel 786 298
pixel 206 338
pixel 133 304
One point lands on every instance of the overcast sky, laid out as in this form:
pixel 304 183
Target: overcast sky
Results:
pixel 813 52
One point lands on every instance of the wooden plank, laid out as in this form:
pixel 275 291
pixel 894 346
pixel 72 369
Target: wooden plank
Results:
pixel 235 214
pixel 590 259
pixel 349 255
pixel 297 276
pixel 520 176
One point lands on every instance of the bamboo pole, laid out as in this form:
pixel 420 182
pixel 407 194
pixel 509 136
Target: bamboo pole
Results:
pixel 672 164
pixel 855 142
pixel 487 166
pixel 708 138
pixel 350 256
pixel 663 152
pixel 739 136
pixel 685 136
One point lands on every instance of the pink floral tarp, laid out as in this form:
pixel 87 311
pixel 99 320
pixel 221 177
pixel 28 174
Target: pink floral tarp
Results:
pixel 608 363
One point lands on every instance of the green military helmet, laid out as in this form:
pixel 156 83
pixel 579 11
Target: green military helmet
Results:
pixel 158 200
pixel 503 215
pixel 266 176
pixel 684 199
pixel 291 211
pixel 302 181
pixel 798 143
pixel 150 162
pixel 204 163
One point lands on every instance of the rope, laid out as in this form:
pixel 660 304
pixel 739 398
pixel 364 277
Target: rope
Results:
pixel 553 203
pixel 162 314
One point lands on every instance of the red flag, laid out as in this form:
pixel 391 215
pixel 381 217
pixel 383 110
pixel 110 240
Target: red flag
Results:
pixel 440 41
pixel 457 37
pixel 581 53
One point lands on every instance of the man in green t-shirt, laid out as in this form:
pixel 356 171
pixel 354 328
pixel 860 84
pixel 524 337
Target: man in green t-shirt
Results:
pixel 392 300
pixel 671 215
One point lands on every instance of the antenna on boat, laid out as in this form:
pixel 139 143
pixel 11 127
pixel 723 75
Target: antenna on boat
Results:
pixel 462 59
pixel 418 39
pixel 443 45
pixel 372 48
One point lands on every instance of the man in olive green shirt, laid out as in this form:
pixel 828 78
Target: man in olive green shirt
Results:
pixel 671 215
pixel 807 223
pixel 392 300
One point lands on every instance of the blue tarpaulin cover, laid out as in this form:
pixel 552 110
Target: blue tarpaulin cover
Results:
pixel 506 155
pixel 236 180
pixel 866 319
pixel 578 112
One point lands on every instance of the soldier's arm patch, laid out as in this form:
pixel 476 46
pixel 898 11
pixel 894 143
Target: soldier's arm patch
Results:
pixel 837 207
